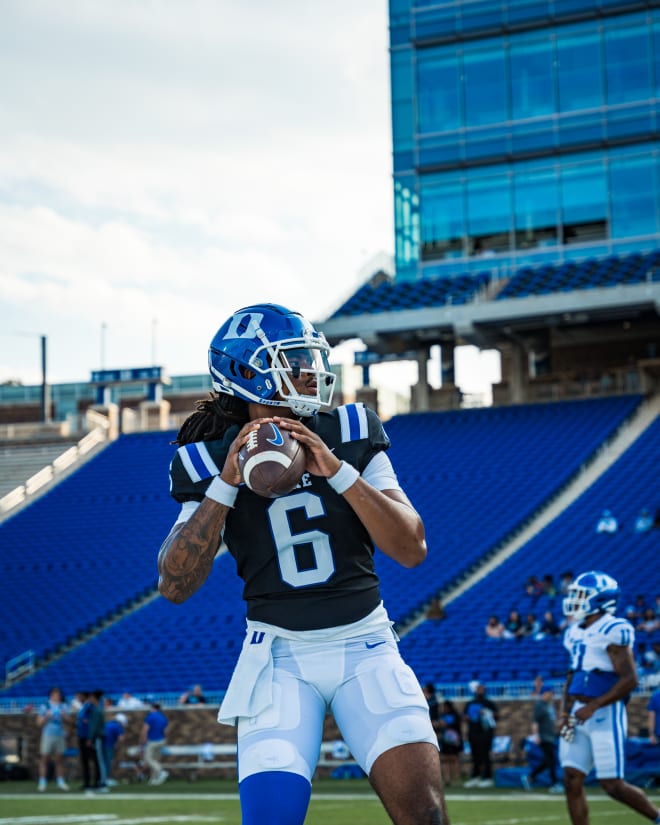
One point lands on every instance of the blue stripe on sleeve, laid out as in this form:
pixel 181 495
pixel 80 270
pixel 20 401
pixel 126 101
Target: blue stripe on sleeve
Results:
pixel 200 468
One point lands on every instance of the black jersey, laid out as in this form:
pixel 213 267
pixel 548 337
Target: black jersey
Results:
pixel 306 558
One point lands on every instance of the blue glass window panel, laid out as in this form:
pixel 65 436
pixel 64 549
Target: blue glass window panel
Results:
pixel 581 129
pixel 440 149
pixel 438 22
pixel 627 64
pixel 532 82
pixel 487 143
pixel 439 94
pixel 482 16
pixel 655 51
pixel 634 195
pixel 533 135
pixel 402 84
pixel 535 197
pixel 583 189
pixel 486 85
pixel 564 7
pixel 406 222
pixel 628 121
pixel 489 203
pixel 579 74
pixel 524 11
pixel 442 210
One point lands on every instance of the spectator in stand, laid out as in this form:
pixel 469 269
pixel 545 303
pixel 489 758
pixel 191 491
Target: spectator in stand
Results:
pixel 531 626
pixel 129 702
pixel 656 605
pixel 451 741
pixel 436 610
pixel 193 697
pixel 565 581
pixel 648 658
pixel 643 522
pixel 649 623
pixel 481 717
pixel 653 708
pixel 513 626
pixel 549 626
pixel 548 586
pixel 152 739
pixel 494 628
pixel 115 730
pixel 52 719
pixel 607 523
pixel 533 588
pixel 549 590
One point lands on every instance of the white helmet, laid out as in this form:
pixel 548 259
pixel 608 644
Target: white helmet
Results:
pixel 591 592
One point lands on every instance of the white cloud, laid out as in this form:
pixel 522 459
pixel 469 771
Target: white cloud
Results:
pixel 173 160
pixel 164 162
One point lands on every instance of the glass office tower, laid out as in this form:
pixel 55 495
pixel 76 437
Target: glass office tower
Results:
pixel 523 131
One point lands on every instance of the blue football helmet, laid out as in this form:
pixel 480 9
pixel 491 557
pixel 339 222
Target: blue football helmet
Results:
pixel 591 592
pixel 259 350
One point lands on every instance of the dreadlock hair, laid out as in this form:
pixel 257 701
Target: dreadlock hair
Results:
pixel 212 418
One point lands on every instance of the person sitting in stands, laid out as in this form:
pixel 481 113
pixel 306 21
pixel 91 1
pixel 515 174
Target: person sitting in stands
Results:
pixel 494 628
pixel 549 626
pixel 531 625
pixel 513 626
pixel 607 523
pixel 193 697
pixel 643 522
pixel 650 622
pixel 533 587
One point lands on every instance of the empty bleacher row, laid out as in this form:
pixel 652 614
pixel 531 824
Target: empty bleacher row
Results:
pixel 86 548
pixel 613 270
pixel 593 272
pixel 90 545
pixel 392 297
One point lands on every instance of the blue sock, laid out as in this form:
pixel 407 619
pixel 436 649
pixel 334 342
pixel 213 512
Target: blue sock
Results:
pixel 275 797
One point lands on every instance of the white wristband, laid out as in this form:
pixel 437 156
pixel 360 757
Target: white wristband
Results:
pixel 345 477
pixel 218 490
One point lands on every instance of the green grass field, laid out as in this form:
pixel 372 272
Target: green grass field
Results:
pixel 334 802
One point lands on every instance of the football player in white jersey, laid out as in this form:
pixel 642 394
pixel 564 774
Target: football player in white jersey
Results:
pixel 318 636
pixel 601 676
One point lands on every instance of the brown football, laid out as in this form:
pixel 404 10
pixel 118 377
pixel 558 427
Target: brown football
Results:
pixel 271 462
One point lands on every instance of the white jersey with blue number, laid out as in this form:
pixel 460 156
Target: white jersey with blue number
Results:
pixel 599 741
pixel 587 646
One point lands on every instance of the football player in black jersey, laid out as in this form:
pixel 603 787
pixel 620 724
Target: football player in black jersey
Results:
pixel 318 636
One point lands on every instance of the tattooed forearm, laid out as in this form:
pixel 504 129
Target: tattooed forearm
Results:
pixel 186 556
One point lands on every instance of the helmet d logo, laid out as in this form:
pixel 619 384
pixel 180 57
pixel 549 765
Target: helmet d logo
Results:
pixel 244 325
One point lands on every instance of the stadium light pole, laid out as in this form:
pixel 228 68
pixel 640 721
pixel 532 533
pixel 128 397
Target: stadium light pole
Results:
pixel 45 388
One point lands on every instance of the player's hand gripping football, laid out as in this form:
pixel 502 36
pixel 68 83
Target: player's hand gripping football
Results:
pixel 231 472
pixel 321 461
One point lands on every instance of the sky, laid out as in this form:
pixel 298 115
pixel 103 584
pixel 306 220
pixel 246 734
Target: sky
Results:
pixel 166 162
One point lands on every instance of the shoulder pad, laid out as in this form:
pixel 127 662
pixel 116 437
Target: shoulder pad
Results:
pixel 619 632
pixel 195 464
pixel 358 422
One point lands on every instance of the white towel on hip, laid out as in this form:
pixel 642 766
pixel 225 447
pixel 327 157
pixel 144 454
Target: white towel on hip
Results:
pixel 250 690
